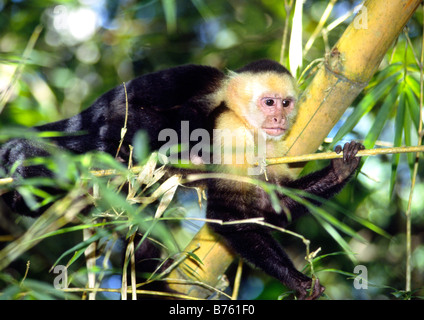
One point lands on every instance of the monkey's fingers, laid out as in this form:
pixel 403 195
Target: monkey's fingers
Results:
pixel 347 152
pixel 317 291
pixel 358 146
pixel 351 150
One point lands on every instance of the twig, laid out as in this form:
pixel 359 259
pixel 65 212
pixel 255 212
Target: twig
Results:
pixel 320 26
pixel 237 280
pixel 23 62
pixel 124 129
pixel 334 155
pixel 278 160
pixel 129 252
pixel 90 260
pixel 26 272
pixel 144 292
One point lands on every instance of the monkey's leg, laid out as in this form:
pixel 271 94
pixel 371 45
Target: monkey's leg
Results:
pixel 262 250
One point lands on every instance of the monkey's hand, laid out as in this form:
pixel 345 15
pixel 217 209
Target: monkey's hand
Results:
pixel 344 167
pixel 307 292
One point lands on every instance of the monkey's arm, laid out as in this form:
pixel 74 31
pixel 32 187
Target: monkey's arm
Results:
pixel 327 182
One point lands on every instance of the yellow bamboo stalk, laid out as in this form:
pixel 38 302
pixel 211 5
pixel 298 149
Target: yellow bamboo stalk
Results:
pixel 205 245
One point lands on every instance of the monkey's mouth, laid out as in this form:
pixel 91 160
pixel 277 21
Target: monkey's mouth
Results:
pixel 274 131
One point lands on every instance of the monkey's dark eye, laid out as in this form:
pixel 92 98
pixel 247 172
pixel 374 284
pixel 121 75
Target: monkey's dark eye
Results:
pixel 269 102
pixel 286 103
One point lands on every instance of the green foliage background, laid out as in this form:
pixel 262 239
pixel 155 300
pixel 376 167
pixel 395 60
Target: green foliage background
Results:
pixel 57 57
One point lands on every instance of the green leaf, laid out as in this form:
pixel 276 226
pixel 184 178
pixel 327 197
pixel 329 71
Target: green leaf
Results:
pixel 81 246
pixel 203 9
pixel 116 223
pixel 170 10
pixel 195 257
pixel 381 118
pixel 391 69
pixel 365 106
pixel 366 223
pixel 45 291
pixel 318 212
pixel 338 238
pixel 412 100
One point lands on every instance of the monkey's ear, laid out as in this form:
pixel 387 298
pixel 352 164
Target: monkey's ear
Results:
pixel 232 74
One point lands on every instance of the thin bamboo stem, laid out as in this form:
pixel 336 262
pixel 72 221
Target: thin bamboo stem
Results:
pixel 319 27
pixel 19 69
pixel 237 280
pixel 408 275
pixel 288 5
pixel 334 155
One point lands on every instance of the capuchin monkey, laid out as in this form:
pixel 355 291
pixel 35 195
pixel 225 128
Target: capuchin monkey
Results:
pixel 253 107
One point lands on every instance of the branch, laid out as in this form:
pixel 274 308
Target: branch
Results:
pixel 334 155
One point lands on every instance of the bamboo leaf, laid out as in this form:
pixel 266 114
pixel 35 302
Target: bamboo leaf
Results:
pixel 170 10
pixel 195 257
pixel 320 213
pixel 412 100
pixel 366 223
pixel 390 70
pixel 381 118
pixel 203 9
pixel 337 237
pixel 165 201
pixel 365 106
pixel 147 173
pixel 80 247
pixel 335 222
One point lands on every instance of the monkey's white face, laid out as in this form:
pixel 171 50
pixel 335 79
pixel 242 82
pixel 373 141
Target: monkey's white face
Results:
pixel 278 112
pixel 272 106
pixel 266 101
